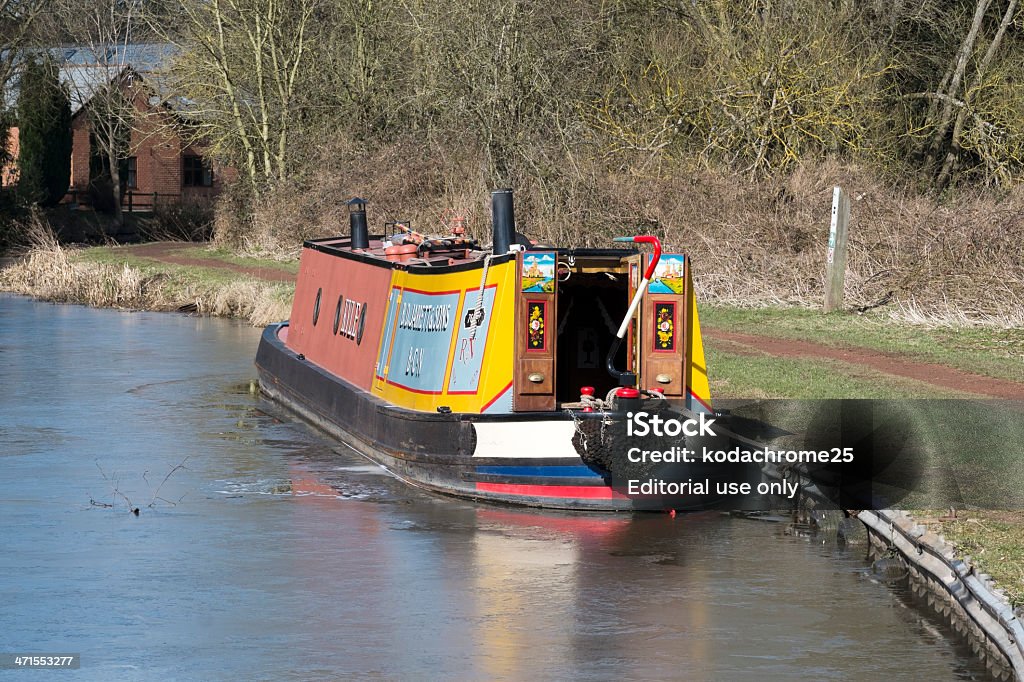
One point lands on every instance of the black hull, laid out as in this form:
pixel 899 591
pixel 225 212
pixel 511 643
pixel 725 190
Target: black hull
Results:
pixel 439 452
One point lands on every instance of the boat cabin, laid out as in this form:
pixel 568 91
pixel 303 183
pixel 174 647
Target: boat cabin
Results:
pixel 442 324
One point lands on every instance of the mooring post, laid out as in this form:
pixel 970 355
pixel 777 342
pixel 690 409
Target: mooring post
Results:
pixel 835 269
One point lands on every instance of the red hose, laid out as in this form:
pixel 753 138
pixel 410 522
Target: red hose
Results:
pixel 653 241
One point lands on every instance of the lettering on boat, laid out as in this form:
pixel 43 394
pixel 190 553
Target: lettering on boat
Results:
pixel 424 326
pixel 466 350
pixel 353 320
pixel 425 317
pixel 414 365
pixel 471 342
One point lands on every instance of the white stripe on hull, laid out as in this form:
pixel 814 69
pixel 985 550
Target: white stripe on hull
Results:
pixel 529 440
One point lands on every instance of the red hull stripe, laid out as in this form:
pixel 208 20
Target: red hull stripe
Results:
pixel 435 293
pixel 421 391
pixel 697 398
pixel 563 491
pixel 495 398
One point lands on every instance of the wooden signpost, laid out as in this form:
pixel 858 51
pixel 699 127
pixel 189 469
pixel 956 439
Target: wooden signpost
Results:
pixel 835 272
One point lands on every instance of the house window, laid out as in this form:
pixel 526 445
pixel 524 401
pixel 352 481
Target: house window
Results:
pixel 196 172
pixel 132 172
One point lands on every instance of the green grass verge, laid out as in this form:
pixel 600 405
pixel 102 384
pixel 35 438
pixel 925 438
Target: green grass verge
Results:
pixel 993 539
pixel 988 351
pixel 226 256
pixel 116 255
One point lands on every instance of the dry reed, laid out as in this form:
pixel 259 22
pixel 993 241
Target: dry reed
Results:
pixel 50 271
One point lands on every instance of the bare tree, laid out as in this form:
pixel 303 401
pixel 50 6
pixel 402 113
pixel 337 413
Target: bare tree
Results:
pixel 955 143
pixel 967 106
pixel 241 68
pixel 16 22
pixel 757 87
pixel 17 18
pixel 104 84
pixel 502 75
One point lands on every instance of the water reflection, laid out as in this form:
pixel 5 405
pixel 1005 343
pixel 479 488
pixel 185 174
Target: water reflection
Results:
pixel 700 597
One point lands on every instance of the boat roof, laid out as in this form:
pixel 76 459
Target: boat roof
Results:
pixel 451 260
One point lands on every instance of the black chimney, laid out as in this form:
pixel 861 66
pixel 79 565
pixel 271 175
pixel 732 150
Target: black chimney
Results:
pixel 503 219
pixel 357 220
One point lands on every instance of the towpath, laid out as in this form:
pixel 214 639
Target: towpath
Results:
pixel 941 376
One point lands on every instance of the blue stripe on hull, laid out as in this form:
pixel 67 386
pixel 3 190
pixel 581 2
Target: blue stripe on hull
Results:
pixel 546 471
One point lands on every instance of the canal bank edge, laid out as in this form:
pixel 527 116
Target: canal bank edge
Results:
pixel 968 600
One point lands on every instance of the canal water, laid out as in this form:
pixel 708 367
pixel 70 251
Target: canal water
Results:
pixel 262 550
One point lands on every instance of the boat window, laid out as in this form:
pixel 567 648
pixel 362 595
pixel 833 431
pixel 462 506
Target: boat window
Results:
pixel 316 306
pixel 337 314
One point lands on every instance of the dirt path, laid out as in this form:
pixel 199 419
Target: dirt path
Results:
pixel 170 252
pixel 894 365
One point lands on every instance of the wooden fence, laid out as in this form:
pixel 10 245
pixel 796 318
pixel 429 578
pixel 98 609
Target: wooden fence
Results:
pixel 131 202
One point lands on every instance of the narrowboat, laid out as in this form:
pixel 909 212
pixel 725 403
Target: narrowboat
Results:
pixel 487 372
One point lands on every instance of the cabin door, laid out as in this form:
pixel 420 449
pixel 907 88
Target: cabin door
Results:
pixel 664 321
pixel 634 335
pixel 536 331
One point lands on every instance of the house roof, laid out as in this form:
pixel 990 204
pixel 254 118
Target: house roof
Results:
pixel 143 57
pixel 86 70
pixel 85 81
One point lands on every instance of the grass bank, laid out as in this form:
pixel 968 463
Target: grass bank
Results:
pixel 741 376
pixel 993 539
pixel 994 349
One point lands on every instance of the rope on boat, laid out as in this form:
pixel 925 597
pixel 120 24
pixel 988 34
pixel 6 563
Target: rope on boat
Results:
pixel 605 405
pixel 479 309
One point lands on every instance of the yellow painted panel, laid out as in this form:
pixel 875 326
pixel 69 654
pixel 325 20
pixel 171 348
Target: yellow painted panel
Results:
pixel 698 384
pixel 496 364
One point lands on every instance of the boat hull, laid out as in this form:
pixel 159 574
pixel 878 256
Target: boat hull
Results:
pixel 521 458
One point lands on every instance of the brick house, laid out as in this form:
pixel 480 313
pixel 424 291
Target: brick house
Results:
pixel 161 167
